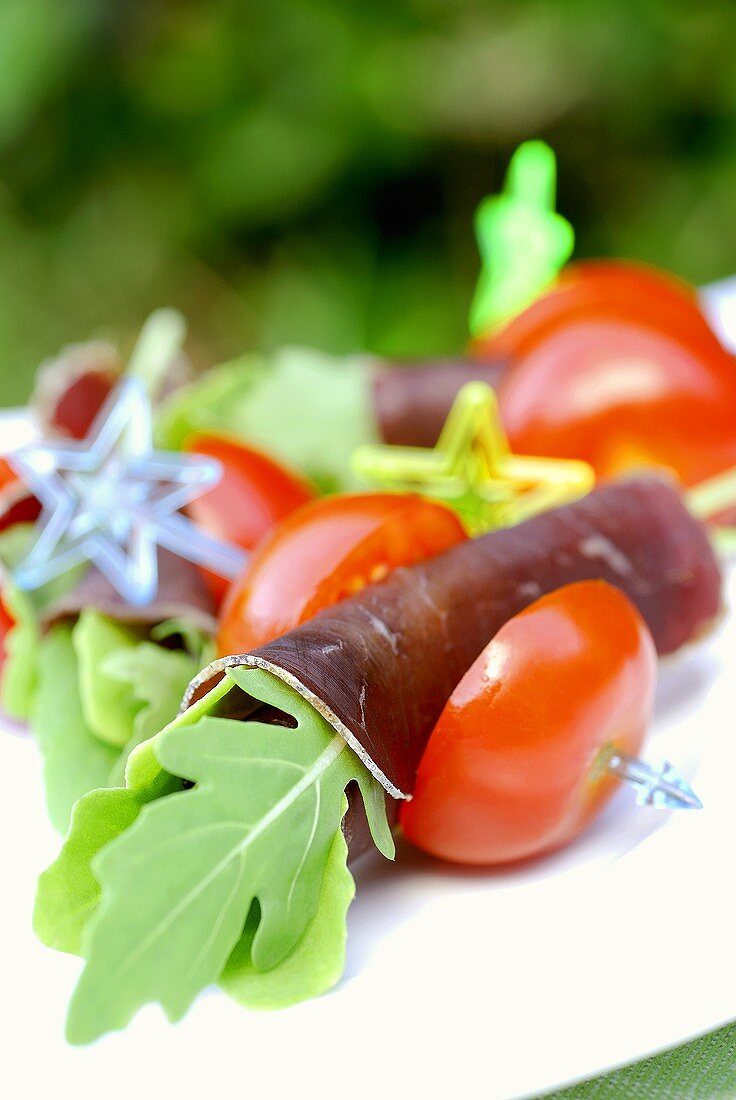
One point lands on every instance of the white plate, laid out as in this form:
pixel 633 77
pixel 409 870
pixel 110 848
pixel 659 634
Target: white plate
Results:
pixel 492 984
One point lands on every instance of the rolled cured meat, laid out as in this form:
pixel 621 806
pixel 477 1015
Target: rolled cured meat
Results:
pixel 411 402
pixel 380 666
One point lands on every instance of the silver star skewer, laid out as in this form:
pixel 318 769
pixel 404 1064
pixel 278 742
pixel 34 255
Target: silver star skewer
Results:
pixel 662 786
pixel 111 499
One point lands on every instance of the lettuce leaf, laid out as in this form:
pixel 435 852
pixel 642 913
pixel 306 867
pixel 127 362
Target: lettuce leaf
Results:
pixel 108 704
pixel 92 692
pixel 156 679
pixel 283 404
pixel 23 643
pixel 74 759
pixel 20 671
pixel 178 884
pixel 317 961
pixel 68 893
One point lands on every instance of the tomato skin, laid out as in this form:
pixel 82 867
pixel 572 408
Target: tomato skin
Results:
pixel 618 289
pixel 615 364
pixel 254 493
pixel 622 396
pixel 513 767
pixel 326 551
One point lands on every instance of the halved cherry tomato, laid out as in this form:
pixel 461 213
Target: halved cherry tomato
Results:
pixel 6 625
pixel 516 764
pixel 16 503
pixel 326 551
pixel 254 493
pixel 616 365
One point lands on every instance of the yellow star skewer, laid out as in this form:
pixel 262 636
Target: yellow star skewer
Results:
pixel 472 468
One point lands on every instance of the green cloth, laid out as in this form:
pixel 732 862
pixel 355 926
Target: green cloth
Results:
pixel 704 1069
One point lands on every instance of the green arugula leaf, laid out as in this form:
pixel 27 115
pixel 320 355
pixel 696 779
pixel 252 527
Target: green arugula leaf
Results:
pixel 68 893
pixel 20 671
pixel 197 644
pixel 22 645
pixel 179 882
pixel 108 705
pixel 74 759
pixel 156 679
pixel 317 961
pixel 92 678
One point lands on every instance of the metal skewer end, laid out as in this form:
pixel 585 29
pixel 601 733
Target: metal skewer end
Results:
pixel 660 786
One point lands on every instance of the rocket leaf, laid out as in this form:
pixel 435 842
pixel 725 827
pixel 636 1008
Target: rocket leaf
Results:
pixel 108 704
pixel 156 678
pixel 68 893
pixel 317 961
pixel 178 884
pixel 23 644
pixel 92 693
pixel 74 760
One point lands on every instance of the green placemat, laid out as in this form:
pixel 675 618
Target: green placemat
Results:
pixel 704 1069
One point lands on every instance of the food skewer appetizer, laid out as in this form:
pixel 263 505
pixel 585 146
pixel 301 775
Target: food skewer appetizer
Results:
pixel 242 797
pixel 376 665
pixel 95 658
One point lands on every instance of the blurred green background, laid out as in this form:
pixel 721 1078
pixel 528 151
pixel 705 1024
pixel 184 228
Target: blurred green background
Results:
pixel 306 170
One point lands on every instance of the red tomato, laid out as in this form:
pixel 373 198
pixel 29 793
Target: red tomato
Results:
pixel 620 288
pixel 6 624
pixel 254 493
pixel 326 551
pixel 516 764
pixel 16 503
pixel 616 365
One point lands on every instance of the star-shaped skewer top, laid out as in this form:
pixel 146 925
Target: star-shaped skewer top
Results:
pixel 472 468
pixel 112 499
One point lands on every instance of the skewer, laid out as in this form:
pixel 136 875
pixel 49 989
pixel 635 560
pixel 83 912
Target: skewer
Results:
pixel 660 786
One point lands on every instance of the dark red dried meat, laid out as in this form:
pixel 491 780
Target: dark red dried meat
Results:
pixel 71 389
pixel 411 403
pixel 181 594
pixel 381 665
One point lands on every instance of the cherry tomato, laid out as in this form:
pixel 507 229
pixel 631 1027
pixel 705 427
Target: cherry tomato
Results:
pixel 326 551
pixel 615 364
pixel 254 493
pixel 6 624
pixel 16 503
pixel 516 764
pixel 620 288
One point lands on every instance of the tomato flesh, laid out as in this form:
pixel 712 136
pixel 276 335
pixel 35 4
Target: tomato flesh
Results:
pixel 16 503
pixel 516 764
pixel 254 493
pixel 326 551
